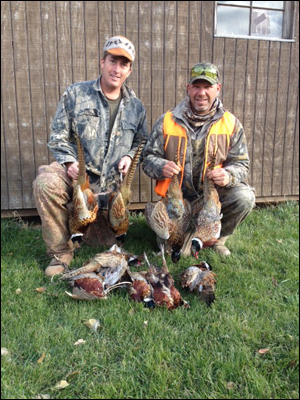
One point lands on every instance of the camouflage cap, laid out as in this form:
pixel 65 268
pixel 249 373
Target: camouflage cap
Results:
pixel 204 70
pixel 120 46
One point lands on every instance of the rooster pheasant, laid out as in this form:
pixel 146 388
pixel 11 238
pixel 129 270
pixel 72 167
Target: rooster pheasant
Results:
pixel 119 200
pixel 200 279
pixel 98 276
pixel 85 206
pixel 164 292
pixel 169 218
pixel 208 226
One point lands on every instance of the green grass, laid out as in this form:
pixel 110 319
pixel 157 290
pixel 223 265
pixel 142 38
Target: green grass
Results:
pixel 201 352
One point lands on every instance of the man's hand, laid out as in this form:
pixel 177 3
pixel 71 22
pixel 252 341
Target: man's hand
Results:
pixel 124 165
pixel 170 169
pixel 72 170
pixel 220 176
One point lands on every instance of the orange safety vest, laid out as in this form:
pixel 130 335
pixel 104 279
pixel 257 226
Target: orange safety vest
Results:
pixel 217 143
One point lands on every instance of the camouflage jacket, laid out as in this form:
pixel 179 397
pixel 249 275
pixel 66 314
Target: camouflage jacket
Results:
pixel 237 163
pixel 83 110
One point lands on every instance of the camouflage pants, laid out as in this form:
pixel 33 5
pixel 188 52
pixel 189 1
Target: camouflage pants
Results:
pixel 53 192
pixel 237 203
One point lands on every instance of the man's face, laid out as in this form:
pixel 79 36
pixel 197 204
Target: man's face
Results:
pixel 202 95
pixel 115 71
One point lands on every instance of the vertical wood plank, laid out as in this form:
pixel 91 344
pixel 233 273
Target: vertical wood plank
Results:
pixel 4 180
pixel 207 30
pixel 170 55
pixel 195 39
pixel 37 83
pixel 157 84
pixel 239 79
pixel 228 73
pixel 64 45
pixel 24 101
pixel 50 66
pixel 132 33
pixel 281 111
pixel 77 32
pixel 250 96
pixel 260 110
pixel 270 117
pixel 93 53
pixel 145 60
pixel 291 115
pixel 182 47
pixel 10 112
pixel 118 18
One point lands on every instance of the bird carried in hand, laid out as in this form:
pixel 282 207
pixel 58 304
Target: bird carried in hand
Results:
pixel 119 200
pixel 208 225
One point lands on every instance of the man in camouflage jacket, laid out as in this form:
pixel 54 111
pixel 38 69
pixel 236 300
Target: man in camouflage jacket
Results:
pixel 110 121
pixel 196 114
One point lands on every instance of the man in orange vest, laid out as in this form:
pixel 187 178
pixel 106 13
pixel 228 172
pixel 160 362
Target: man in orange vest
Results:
pixel 199 128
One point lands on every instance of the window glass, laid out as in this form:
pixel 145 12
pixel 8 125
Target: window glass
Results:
pixel 239 3
pixel 266 23
pixel 268 4
pixel 232 21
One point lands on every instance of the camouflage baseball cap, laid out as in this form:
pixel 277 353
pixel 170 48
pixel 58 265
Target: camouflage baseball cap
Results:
pixel 120 46
pixel 208 72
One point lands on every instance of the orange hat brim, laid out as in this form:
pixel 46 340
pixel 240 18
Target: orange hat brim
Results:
pixel 120 52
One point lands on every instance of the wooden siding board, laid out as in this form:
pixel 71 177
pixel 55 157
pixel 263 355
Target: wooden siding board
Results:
pixel 291 116
pixel 50 66
pixel 194 34
pixel 260 110
pixel 218 58
pixel 132 33
pixel 157 84
pixel 4 181
pixel 37 84
pixel 77 32
pixel 170 55
pixel 280 119
pixel 270 119
pixel 10 112
pixel 239 79
pixel 144 82
pixel 207 30
pixel 118 18
pixel 93 53
pixel 105 22
pixel 24 101
pixel 250 92
pixel 182 47
pixel 64 45
pixel 295 171
pixel 228 73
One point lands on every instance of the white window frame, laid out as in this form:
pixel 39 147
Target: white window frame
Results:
pixel 288 28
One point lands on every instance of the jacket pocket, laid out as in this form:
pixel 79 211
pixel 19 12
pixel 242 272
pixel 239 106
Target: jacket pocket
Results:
pixel 87 124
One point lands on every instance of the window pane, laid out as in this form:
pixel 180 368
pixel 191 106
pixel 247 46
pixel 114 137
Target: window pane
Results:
pixel 266 23
pixel 232 21
pixel 238 3
pixel 269 4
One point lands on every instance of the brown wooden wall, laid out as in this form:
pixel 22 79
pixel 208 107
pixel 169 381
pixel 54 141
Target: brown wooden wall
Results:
pixel 47 45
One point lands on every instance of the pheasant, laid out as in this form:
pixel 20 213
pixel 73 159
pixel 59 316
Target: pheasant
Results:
pixel 169 218
pixel 140 290
pixel 110 260
pixel 164 292
pixel 91 286
pixel 119 200
pixel 200 279
pixel 208 226
pixel 97 277
pixel 85 206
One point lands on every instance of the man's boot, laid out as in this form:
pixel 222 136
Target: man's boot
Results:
pixel 220 247
pixel 58 264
